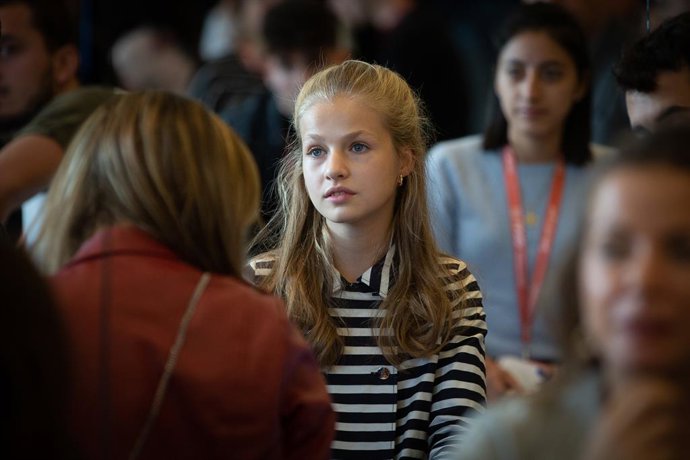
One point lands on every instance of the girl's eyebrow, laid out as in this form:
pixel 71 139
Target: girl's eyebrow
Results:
pixel 348 136
pixel 315 137
pixel 355 134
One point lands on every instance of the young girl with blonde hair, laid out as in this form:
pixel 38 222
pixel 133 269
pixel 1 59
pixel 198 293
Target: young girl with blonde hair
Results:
pixel 397 327
pixel 174 355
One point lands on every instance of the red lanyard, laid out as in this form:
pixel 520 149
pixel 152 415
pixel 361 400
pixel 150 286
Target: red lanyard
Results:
pixel 527 293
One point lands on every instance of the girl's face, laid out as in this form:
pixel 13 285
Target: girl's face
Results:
pixel 635 270
pixel 536 84
pixel 350 165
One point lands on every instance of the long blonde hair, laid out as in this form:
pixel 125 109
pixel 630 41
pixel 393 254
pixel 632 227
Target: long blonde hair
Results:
pixel 164 164
pixel 418 311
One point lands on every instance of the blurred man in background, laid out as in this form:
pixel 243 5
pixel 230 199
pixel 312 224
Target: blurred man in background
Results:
pixel 41 101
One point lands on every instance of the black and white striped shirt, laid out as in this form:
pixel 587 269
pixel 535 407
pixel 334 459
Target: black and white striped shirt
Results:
pixel 420 408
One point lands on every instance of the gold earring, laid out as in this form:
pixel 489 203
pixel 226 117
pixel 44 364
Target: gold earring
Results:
pixel 400 180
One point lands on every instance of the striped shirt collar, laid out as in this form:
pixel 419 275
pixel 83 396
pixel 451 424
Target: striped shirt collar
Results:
pixel 377 278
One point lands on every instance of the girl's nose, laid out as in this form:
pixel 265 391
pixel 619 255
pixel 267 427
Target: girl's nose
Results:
pixel 336 165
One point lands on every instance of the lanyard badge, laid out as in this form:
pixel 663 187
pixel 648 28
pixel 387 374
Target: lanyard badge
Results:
pixel 528 290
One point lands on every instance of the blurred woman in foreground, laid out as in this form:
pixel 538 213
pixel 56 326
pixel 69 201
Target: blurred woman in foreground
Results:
pixel 627 397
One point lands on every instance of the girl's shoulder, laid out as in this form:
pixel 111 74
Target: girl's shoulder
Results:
pixel 457 277
pixel 453 269
pixel 451 264
pixel 464 294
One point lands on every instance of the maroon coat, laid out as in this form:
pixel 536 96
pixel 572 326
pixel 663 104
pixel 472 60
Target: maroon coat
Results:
pixel 245 386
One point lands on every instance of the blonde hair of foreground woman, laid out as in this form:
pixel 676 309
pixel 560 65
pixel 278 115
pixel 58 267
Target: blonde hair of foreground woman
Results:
pixel 164 164
pixel 417 309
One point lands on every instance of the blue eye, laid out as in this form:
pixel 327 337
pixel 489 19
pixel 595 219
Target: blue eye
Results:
pixel 359 147
pixel 315 152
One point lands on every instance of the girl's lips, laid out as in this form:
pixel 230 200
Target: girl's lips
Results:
pixel 339 196
pixel 338 191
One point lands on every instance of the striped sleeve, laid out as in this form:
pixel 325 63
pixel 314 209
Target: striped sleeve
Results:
pixel 460 379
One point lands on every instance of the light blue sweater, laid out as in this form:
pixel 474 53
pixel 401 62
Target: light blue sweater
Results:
pixel 469 210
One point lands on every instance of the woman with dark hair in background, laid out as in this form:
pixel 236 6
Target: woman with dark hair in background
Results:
pixel 505 203
pixel 623 394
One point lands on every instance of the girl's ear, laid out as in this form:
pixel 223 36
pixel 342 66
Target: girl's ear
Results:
pixel 407 160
